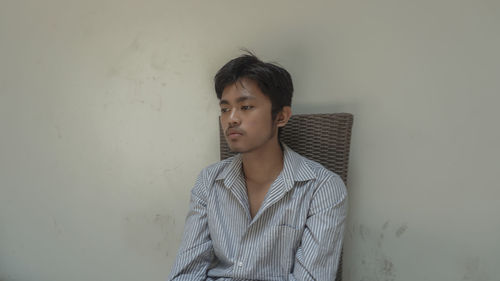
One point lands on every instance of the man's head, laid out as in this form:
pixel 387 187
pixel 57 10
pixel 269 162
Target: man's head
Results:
pixel 255 99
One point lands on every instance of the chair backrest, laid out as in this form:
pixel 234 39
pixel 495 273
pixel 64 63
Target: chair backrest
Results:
pixel 324 138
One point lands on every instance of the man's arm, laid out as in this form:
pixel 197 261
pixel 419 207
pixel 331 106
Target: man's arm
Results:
pixel 318 256
pixel 196 252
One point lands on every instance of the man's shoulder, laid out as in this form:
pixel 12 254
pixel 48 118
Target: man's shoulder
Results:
pixel 319 171
pixel 327 183
pixel 213 171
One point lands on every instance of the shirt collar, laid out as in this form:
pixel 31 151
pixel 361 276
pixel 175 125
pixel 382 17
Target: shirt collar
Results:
pixel 295 169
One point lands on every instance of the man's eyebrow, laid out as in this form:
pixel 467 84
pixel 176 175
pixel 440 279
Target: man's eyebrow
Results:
pixel 238 100
pixel 244 98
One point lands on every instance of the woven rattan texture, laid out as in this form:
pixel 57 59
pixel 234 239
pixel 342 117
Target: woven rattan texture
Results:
pixel 324 138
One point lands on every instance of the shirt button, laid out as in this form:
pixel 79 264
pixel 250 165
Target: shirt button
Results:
pixel 240 264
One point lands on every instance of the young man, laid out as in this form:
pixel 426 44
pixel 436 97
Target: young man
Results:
pixel 266 213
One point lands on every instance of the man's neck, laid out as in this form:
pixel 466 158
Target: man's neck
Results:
pixel 263 165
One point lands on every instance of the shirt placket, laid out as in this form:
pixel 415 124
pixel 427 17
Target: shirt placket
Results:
pixel 242 258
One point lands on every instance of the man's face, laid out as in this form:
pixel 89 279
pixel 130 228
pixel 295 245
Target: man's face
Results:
pixel 246 117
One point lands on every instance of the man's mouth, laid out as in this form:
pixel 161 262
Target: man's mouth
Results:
pixel 232 132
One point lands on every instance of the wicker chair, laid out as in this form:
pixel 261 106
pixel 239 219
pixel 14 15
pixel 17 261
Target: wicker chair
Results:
pixel 324 138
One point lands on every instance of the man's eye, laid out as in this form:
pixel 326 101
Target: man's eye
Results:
pixel 224 110
pixel 246 107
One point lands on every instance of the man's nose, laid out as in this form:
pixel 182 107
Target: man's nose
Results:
pixel 234 117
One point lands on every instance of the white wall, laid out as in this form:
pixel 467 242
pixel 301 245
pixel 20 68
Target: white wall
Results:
pixel 107 114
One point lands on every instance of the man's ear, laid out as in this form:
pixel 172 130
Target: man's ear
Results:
pixel 283 116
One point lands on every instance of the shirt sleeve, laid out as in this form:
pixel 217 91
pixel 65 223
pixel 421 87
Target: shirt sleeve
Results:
pixel 317 257
pixel 196 252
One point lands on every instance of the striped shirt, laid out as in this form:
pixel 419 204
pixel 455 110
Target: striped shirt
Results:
pixel 296 234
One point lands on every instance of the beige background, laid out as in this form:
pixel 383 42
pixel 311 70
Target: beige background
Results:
pixel 107 114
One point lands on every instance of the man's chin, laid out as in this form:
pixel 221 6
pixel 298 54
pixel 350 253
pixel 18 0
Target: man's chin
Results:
pixel 237 149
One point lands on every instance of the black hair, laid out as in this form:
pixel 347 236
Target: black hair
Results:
pixel 274 81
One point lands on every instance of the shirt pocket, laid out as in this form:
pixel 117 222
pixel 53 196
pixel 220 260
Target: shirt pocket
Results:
pixel 285 240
